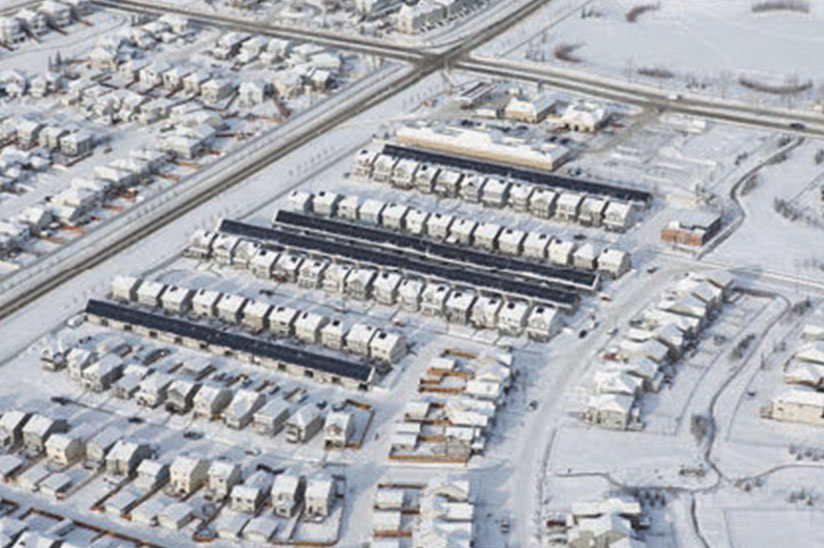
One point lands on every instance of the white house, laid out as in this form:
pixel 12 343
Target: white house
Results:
pixel 560 252
pixel 459 305
pixel 585 257
pixel 511 241
pixel 614 262
pixel 241 410
pixel 333 334
pixel 124 288
pixel 150 474
pixel 211 400
pixel 358 284
pixel 486 312
pixel 326 203
pixel 124 457
pixel 287 267
pixel 338 429
pixel 403 174
pixel 462 231
pixel 448 182
pixel 251 494
pixel 302 425
pixel 204 303
pixel 438 225
pixel 394 216
pixel 177 300
pixel 287 493
pixel 568 206
pixel 256 315
pixel 619 216
pixel 282 320
pixel 223 475
pixel 425 178
pixel 433 299
pixel 385 288
pixel 585 116
pixel 416 221
pixel 263 263
pixel 387 347
pixel 271 418
pixel 536 246
pixel 611 411
pixel 486 236
pixel 11 30
pixel 319 497
pixel 470 189
pixel 311 272
pixel 152 390
pixel 543 323
pixel 308 326
pixel 495 192
pixel 230 308
pixel 359 337
pixel 409 294
pixel 65 449
pixel 513 317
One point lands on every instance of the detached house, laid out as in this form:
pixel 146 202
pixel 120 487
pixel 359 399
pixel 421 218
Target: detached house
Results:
pixel 188 474
pixel 287 493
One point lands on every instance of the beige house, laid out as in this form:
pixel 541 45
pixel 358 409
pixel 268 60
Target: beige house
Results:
pixel 188 474
pixel 797 404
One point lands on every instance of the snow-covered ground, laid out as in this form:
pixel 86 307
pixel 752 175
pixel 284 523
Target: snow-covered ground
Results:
pixel 719 49
pixel 241 124
pixel 738 484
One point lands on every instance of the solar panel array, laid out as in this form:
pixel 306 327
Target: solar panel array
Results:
pixel 553 275
pixel 345 248
pixel 544 179
pixel 240 343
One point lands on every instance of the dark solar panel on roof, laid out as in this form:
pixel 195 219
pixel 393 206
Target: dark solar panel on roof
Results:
pixel 240 343
pixel 499 170
pixel 459 274
pixel 553 275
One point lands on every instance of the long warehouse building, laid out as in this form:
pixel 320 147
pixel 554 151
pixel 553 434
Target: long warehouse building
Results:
pixel 548 180
pixel 337 247
pixel 561 276
pixel 482 144
pixel 274 356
